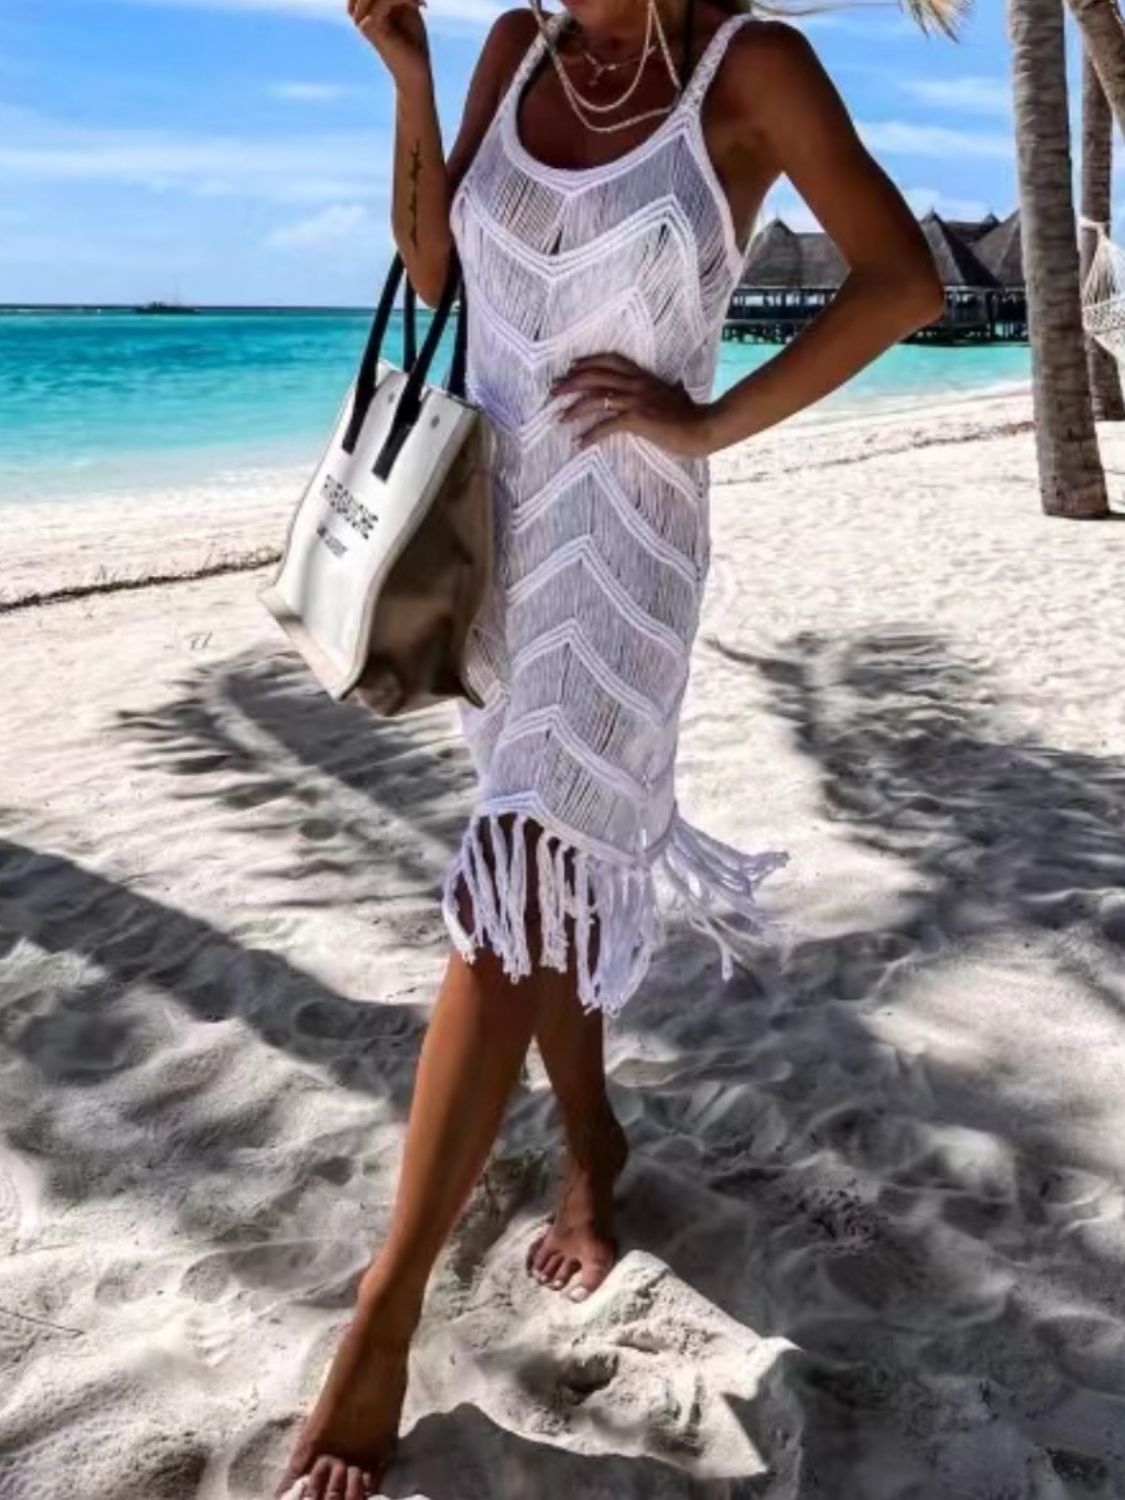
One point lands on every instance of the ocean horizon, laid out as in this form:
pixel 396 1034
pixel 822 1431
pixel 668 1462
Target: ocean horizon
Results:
pixel 97 400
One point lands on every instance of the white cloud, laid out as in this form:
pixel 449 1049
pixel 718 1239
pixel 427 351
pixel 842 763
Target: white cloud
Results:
pixel 307 93
pixel 908 138
pixel 324 167
pixel 923 199
pixel 973 94
pixel 789 208
pixel 784 204
pixel 440 15
pixel 333 228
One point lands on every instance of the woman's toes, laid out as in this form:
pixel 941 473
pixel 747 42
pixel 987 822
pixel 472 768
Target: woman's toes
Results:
pixel 564 1274
pixel 540 1271
pixel 356 1488
pixel 549 1266
pixel 336 1486
pixel 316 1481
pixel 590 1280
pixel 294 1470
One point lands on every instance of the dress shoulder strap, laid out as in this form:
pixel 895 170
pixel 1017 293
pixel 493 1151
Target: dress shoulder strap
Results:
pixel 535 54
pixel 708 64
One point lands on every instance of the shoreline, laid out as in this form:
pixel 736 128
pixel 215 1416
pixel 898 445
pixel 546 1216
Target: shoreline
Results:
pixel 183 465
pixel 59 549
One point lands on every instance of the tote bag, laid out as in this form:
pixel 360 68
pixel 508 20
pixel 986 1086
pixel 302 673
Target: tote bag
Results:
pixel 388 556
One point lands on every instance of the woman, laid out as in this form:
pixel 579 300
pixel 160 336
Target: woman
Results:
pixel 599 252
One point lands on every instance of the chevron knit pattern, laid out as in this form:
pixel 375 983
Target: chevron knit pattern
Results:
pixel 581 657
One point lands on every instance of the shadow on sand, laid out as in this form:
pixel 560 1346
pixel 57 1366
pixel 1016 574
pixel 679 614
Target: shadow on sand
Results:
pixel 914 1227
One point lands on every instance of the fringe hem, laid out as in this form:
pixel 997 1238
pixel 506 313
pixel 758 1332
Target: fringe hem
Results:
pixel 705 877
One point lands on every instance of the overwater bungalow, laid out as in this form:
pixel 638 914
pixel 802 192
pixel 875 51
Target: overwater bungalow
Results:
pixel 789 276
pixel 1001 250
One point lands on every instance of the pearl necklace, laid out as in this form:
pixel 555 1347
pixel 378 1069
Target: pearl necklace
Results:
pixel 578 102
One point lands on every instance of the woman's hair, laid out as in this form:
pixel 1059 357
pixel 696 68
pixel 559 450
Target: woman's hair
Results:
pixel 940 15
pixel 780 12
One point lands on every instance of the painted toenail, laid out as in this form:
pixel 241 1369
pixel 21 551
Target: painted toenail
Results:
pixel 580 1293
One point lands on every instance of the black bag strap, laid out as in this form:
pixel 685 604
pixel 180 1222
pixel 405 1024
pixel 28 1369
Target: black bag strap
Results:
pixel 455 381
pixel 366 379
pixel 369 364
pixel 409 325
pixel 409 404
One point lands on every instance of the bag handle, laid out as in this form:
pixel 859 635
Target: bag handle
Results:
pixel 409 405
pixel 413 365
pixel 409 326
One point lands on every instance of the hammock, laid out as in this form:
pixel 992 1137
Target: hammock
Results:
pixel 1103 293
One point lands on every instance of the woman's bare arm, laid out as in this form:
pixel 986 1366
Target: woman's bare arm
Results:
pixel 796 115
pixel 424 181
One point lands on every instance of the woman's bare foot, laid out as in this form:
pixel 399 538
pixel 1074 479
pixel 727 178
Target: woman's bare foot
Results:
pixel 579 1239
pixel 346 1442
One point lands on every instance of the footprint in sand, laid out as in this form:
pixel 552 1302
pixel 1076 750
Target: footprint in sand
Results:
pixel 127 1281
pixel 580 1377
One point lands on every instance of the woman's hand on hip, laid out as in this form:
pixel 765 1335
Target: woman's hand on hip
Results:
pixel 397 32
pixel 639 402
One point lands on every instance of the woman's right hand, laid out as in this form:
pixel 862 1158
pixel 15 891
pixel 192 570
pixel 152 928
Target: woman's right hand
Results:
pixel 397 32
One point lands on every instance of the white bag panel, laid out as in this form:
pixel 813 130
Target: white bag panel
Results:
pixel 350 527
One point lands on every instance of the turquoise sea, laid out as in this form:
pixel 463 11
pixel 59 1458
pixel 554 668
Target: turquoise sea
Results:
pixel 95 402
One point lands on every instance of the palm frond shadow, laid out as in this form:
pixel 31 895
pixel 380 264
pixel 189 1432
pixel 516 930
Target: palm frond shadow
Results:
pixel 377 804
pixel 146 955
pixel 787 1138
pixel 785 1149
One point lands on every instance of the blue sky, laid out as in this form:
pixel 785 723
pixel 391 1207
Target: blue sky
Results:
pixel 240 150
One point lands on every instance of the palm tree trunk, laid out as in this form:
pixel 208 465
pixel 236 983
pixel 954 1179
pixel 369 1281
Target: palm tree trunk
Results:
pixel 1097 166
pixel 1103 38
pixel 1071 481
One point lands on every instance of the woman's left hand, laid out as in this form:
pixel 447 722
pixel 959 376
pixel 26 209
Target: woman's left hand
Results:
pixel 640 403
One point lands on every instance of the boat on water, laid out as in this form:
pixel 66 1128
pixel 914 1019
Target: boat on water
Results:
pixel 165 309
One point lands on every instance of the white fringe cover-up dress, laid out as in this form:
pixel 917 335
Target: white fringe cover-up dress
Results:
pixel 581 656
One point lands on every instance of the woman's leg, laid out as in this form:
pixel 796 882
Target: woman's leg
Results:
pixel 477 1038
pixel 579 1241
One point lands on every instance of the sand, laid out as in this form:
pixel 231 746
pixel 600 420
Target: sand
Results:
pixel 873 1228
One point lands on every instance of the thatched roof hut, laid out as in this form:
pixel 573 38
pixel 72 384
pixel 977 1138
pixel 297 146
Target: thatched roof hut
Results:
pixel 1001 250
pixel 971 230
pixel 788 277
pixel 976 255
pixel 780 259
pixel 959 267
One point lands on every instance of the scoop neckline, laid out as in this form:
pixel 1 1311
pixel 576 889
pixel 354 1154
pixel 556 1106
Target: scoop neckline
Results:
pixel 574 174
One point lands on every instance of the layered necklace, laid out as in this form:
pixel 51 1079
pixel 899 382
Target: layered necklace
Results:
pixel 578 102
